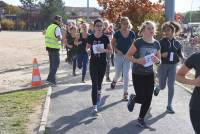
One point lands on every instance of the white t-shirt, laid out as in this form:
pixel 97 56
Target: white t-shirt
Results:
pixel 58 32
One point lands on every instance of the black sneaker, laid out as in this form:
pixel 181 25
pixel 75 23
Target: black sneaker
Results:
pixel 131 102
pixel 108 79
pixel 170 110
pixel 83 79
pixel 141 123
pixel 74 74
pixel 113 84
pixel 51 83
pixel 156 91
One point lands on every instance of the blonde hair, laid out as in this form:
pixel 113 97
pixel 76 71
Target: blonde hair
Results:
pixel 86 24
pixel 128 20
pixel 144 24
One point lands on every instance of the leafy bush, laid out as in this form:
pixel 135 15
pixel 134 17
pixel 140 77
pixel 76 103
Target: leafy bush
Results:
pixel 7 24
pixel 22 25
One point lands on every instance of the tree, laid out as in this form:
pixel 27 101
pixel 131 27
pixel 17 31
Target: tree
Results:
pixel 50 8
pixel 137 11
pixel 28 4
pixel 10 9
pixel 191 16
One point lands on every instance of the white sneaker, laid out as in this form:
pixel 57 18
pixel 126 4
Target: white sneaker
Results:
pixel 95 110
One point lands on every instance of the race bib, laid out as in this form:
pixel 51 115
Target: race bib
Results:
pixel 94 48
pixel 148 60
pixel 171 57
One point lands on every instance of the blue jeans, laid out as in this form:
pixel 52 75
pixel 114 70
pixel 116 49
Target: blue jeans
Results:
pixel 54 59
pixel 122 65
pixel 82 60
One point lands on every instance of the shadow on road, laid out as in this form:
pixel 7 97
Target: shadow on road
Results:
pixel 133 128
pixel 79 88
pixel 85 116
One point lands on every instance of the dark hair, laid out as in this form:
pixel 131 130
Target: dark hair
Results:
pixel 57 18
pixel 98 20
pixel 175 27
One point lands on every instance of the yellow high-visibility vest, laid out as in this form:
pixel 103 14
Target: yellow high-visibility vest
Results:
pixel 50 39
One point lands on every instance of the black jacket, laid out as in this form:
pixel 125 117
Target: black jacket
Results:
pixel 173 47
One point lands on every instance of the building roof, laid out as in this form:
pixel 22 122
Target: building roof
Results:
pixel 81 11
pixel 3 4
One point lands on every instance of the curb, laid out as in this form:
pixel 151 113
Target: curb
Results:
pixel 43 121
pixel 182 86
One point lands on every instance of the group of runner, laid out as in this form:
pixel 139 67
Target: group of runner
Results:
pixel 139 52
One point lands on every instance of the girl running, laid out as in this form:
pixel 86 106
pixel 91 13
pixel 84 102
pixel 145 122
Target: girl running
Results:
pixel 192 62
pixel 143 53
pixel 121 42
pixel 82 58
pixel 171 52
pixel 72 47
pixel 98 46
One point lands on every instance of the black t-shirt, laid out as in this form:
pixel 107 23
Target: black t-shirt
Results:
pixel 81 47
pixel 193 62
pixel 144 49
pixel 123 44
pixel 99 57
pixel 70 41
pixel 174 49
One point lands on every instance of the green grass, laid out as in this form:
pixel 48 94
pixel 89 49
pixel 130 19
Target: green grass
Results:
pixel 15 108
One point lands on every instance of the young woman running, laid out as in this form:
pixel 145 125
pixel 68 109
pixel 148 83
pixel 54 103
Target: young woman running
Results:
pixel 108 32
pixel 98 46
pixel 121 42
pixel 143 53
pixel 192 62
pixel 82 58
pixel 171 52
pixel 71 43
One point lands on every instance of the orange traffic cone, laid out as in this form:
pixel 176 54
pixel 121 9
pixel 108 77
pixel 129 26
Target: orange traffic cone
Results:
pixel 36 79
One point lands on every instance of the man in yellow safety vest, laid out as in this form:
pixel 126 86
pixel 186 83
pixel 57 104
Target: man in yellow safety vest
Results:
pixel 53 37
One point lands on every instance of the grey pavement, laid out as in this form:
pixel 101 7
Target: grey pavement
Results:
pixel 71 106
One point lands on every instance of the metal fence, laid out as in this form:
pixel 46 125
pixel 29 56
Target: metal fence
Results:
pixel 189 47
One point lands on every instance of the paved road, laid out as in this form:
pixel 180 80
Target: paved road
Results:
pixel 70 110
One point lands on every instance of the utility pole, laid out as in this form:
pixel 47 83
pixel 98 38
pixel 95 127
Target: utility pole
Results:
pixel 169 10
pixel 191 11
pixel 88 12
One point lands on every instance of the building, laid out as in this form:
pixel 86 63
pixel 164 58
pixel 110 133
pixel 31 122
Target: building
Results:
pixel 74 13
pixel 2 9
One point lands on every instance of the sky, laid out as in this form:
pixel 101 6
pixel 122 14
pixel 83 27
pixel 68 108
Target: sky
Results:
pixel 180 5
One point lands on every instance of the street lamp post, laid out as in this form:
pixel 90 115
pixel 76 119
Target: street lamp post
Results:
pixel 170 10
pixel 88 10
pixel 191 11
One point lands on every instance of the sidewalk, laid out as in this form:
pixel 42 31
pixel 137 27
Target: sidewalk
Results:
pixel 70 110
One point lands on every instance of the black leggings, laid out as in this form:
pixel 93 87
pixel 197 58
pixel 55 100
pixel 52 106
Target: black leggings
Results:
pixel 195 119
pixel 143 86
pixel 97 72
